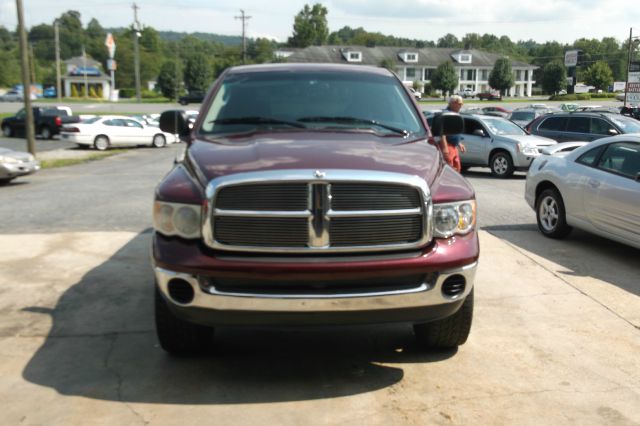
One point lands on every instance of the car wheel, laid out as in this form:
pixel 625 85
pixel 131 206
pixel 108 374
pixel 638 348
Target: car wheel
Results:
pixel 159 141
pixel 176 336
pixel 101 143
pixel 7 131
pixel 448 332
pixel 550 213
pixel 501 165
pixel 5 181
pixel 45 132
pixel 181 102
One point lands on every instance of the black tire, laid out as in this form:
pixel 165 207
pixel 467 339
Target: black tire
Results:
pixel 551 214
pixel 101 143
pixel 464 169
pixel 448 332
pixel 5 181
pixel 7 131
pixel 501 165
pixel 46 133
pixel 159 141
pixel 176 336
pixel 183 102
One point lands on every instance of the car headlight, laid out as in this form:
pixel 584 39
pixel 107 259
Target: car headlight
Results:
pixel 527 149
pixel 9 160
pixel 183 220
pixel 454 218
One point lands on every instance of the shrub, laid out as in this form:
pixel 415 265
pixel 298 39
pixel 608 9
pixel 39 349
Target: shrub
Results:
pixel 149 94
pixel 127 92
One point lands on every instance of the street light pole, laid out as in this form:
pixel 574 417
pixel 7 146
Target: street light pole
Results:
pixel 136 53
pixel 26 83
pixel 626 85
pixel 58 83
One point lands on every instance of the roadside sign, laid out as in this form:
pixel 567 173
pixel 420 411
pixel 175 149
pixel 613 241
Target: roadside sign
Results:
pixel 634 77
pixel 571 58
pixel 111 45
pixel 111 65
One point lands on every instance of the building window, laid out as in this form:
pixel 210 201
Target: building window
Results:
pixel 427 73
pixel 518 75
pixel 464 58
pixel 355 57
pixel 410 73
pixel 471 75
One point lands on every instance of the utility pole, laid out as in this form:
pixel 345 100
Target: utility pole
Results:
pixel 32 63
pixel 244 19
pixel 26 84
pixel 58 84
pixel 626 85
pixel 136 52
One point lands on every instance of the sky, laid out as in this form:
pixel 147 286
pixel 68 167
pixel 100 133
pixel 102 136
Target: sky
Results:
pixel 540 20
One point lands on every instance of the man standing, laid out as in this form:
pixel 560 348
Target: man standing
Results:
pixel 452 142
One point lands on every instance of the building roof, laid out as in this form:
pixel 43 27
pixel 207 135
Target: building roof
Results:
pixel 427 57
pixel 80 61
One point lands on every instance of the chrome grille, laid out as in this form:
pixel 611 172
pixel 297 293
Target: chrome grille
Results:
pixel 305 211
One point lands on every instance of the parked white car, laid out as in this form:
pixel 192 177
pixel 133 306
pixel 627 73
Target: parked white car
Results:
pixel 596 188
pixel 114 130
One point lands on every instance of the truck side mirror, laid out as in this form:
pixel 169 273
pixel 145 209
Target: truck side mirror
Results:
pixel 447 123
pixel 175 121
pixel 478 132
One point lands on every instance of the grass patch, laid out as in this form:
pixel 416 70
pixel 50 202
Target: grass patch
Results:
pixel 64 162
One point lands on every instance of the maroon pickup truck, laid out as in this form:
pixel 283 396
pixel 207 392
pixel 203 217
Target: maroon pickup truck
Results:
pixel 312 194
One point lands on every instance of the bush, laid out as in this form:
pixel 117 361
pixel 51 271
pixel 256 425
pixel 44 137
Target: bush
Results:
pixel 603 95
pixel 127 92
pixel 572 97
pixel 149 94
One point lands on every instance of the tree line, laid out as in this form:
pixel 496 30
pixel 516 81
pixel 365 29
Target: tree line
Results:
pixel 191 62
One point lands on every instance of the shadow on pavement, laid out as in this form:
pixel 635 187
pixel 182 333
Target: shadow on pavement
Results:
pixel 613 262
pixel 102 345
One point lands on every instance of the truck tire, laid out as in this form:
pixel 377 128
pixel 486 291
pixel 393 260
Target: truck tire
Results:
pixel 448 332
pixel 101 143
pixel 45 132
pixel 176 336
pixel 550 214
pixel 7 131
pixel 501 165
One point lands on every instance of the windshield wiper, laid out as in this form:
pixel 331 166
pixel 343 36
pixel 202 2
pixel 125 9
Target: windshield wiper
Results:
pixel 352 120
pixel 257 120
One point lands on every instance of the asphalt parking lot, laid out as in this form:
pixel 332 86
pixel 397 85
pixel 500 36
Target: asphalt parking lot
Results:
pixel 555 339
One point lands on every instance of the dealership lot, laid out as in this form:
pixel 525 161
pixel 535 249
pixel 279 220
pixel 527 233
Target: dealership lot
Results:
pixel 555 335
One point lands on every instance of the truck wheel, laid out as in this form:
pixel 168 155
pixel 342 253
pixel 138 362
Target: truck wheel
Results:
pixel 501 165
pixel 159 141
pixel 7 131
pixel 176 336
pixel 448 332
pixel 101 143
pixel 551 216
pixel 45 132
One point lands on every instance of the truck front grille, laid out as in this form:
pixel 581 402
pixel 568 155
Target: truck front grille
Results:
pixel 342 211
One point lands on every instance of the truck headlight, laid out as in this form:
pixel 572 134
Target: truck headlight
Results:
pixel 454 218
pixel 527 149
pixel 9 160
pixel 182 220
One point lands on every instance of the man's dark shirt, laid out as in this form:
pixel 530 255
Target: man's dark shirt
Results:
pixel 453 140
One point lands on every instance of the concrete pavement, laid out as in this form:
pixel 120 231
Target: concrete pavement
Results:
pixel 77 346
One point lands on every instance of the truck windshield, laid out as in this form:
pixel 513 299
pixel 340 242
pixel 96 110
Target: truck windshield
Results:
pixel 318 100
pixel 503 127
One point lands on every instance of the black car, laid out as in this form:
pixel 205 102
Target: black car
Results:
pixel 582 126
pixel 191 98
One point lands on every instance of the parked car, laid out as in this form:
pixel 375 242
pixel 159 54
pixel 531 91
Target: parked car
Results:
pixel 47 121
pixel 524 116
pixel 113 130
pixel 191 98
pixel 49 92
pixel 596 188
pixel 416 94
pixel 306 200
pixel 620 96
pixel 489 96
pixel 14 164
pixel 562 147
pixel 467 93
pixel 495 111
pixel 12 96
pixel 499 144
pixel 582 126
pixel 569 107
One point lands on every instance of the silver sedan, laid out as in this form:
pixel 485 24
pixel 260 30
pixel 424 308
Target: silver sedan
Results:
pixel 14 164
pixel 595 188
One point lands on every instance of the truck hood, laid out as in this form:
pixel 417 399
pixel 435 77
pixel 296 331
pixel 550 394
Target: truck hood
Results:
pixel 296 150
pixel 538 141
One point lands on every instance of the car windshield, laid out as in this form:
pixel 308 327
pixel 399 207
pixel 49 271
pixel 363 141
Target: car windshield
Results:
pixel 627 125
pixel 503 127
pixel 311 100
pixel 523 115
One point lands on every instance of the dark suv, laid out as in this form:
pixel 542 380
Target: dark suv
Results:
pixel 582 126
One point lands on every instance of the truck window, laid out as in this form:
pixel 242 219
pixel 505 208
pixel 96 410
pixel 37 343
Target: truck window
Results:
pixel 579 124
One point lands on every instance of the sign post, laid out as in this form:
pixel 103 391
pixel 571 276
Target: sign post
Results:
pixel 111 64
pixel 571 61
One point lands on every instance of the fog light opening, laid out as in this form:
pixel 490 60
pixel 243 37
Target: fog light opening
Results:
pixel 454 286
pixel 180 291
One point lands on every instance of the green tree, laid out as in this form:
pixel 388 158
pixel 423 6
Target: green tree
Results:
pixel 599 75
pixel 449 40
pixel 169 79
pixel 389 64
pixel 310 27
pixel 554 77
pixel 445 78
pixel 501 76
pixel 261 50
pixel 198 73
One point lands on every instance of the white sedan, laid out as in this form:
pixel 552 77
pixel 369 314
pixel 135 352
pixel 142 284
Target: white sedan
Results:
pixel 596 188
pixel 114 130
